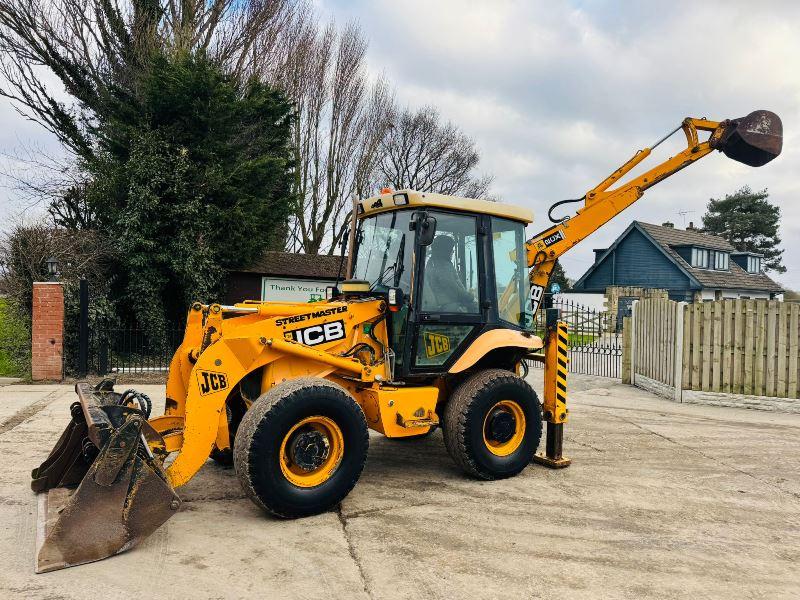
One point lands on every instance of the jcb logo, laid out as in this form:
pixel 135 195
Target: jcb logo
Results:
pixel 317 334
pixel 436 344
pixel 211 382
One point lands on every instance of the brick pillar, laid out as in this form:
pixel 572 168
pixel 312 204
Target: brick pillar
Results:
pixel 47 332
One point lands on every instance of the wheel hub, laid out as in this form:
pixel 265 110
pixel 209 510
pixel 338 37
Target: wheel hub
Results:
pixel 308 449
pixel 500 426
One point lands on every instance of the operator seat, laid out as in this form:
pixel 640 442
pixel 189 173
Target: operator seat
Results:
pixel 443 290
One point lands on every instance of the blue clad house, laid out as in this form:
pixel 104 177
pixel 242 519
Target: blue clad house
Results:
pixel 691 266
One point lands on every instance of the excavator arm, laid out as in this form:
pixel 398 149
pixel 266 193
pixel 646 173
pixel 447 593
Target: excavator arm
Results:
pixel 753 140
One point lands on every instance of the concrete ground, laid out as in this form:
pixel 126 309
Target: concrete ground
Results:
pixel 663 501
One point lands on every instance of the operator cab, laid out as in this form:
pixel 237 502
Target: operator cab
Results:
pixel 458 264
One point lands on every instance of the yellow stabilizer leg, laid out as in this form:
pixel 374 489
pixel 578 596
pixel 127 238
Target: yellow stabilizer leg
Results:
pixel 555 392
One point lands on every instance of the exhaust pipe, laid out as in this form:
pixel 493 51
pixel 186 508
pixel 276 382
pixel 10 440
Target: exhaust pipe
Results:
pixel 753 140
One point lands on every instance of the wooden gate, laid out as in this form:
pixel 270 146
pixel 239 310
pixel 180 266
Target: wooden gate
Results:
pixel 657 346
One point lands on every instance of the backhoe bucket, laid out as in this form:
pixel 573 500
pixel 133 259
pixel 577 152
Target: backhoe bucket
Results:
pixel 114 457
pixel 753 140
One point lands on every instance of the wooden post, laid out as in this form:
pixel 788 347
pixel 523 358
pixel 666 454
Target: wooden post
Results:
pixel 794 322
pixel 626 350
pixel 679 341
pixel 634 346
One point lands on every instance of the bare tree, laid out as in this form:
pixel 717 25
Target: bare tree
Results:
pixel 25 249
pixel 341 118
pixel 348 136
pixel 94 48
pixel 423 153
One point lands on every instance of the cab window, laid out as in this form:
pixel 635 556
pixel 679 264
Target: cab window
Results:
pixel 450 283
pixel 384 251
pixel 384 257
pixel 510 269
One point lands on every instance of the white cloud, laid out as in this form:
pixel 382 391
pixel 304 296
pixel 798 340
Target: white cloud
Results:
pixel 557 95
pixel 22 138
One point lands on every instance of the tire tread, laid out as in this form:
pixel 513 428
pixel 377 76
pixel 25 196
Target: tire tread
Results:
pixel 458 412
pixel 274 402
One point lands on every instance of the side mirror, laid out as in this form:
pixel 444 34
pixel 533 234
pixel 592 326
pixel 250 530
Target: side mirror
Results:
pixel 426 226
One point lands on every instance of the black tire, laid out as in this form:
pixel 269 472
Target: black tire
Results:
pixel 256 452
pixel 466 413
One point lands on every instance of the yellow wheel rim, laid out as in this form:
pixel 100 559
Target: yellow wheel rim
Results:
pixel 320 431
pixel 507 447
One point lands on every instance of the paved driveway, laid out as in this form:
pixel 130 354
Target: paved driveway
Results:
pixel 662 501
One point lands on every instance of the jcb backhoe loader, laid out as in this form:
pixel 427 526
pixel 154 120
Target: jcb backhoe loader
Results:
pixel 431 329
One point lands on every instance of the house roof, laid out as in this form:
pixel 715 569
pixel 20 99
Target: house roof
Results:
pixel 289 264
pixel 736 277
pixel 669 238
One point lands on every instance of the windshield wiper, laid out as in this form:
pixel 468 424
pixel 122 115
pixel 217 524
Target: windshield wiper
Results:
pixel 379 280
pixel 397 266
pixel 399 263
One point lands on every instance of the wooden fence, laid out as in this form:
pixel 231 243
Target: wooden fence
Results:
pixel 742 347
pixel 739 347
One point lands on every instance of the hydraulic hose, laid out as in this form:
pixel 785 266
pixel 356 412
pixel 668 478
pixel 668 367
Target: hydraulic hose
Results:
pixel 559 203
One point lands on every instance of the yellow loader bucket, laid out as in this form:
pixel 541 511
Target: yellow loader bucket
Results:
pixel 102 489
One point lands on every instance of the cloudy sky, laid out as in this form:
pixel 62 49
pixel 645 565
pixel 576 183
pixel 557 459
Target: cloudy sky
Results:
pixel 559 94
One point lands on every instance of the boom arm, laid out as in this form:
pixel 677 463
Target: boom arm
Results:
pixel 754 140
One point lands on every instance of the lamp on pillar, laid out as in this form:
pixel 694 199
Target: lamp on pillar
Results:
pixel 52 267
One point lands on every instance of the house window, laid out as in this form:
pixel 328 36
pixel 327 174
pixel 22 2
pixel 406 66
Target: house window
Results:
pixel 721 261
pixel 754 264
pixel 699 258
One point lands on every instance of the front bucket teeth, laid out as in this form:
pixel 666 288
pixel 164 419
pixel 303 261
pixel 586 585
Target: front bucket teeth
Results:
pixel 122 495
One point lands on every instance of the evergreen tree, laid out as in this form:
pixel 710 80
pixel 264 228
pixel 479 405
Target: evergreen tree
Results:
pixel 749 222
pixel 192 177
pixel 559 276
pixel 181 156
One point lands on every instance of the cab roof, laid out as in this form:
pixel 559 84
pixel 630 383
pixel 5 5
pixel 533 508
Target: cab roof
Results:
pixel 395 201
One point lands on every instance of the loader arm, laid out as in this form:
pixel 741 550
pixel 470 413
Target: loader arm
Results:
pixel 754 140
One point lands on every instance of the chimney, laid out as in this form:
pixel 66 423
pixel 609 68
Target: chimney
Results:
pixel 668 224
pixel 691 226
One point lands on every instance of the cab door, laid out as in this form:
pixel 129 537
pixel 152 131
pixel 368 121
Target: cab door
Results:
pixel 449 308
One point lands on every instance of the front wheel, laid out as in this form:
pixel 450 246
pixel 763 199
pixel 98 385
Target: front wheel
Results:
pixel 493 424
pixel 301 447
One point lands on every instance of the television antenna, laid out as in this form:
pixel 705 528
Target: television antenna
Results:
pixel 683 214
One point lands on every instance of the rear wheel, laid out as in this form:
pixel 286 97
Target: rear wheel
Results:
pixel 493 424
pixel 301 447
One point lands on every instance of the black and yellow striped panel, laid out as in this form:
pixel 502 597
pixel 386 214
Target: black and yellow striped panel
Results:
pixel 561 371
